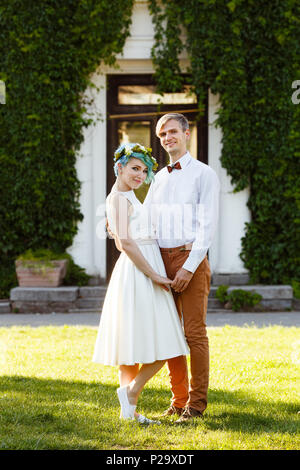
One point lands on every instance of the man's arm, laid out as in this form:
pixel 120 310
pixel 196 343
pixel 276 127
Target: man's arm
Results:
pixel 207 218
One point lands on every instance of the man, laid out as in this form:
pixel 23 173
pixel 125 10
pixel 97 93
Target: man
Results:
pixel 184 200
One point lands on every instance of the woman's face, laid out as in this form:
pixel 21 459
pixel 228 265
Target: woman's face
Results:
pixel 133 174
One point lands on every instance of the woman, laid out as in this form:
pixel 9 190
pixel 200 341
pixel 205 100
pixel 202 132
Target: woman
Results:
pixel 139 323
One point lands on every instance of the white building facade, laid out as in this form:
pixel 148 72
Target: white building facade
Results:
pixel 89 248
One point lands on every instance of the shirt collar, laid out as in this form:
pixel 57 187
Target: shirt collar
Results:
pixel 184 160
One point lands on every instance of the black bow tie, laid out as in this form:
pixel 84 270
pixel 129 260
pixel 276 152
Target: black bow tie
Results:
pixel 176 165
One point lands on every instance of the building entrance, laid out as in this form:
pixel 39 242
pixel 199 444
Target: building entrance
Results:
pixel 133 109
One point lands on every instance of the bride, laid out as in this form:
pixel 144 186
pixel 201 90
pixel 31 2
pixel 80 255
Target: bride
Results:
pixel 139 323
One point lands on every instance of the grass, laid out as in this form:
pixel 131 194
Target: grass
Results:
pixel 53 397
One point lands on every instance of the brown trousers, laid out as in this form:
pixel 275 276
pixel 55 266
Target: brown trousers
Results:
pixel 191 306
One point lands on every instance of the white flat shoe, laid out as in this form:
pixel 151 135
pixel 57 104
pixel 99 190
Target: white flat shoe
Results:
pixel 127 410
pixel 143 420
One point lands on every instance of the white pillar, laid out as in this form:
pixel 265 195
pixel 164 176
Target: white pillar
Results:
pixel 88 248
pixel 234 213
pixel 99 179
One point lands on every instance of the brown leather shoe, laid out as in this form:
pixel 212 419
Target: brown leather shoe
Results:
pixel 173 410
pixel 188 414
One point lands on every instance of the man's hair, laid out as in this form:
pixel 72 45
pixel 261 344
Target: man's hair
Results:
pixel 184 123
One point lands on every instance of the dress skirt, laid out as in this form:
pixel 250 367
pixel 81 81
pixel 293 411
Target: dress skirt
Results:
pixel 139 322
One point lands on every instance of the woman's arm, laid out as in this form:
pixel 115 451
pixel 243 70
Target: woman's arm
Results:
pixel 125 243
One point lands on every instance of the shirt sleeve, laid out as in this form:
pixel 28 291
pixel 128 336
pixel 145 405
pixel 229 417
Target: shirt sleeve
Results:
pixel 206 219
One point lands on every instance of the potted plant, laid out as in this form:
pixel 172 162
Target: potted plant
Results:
pixel 41 268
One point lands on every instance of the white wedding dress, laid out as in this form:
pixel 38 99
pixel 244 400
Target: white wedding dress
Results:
pixel 139 322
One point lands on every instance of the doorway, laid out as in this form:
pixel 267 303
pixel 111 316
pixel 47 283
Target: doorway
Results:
pixel 133 109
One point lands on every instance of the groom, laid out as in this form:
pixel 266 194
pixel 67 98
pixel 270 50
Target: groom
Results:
pixel 184 199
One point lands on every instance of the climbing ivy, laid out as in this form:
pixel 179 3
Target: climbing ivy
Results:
pixel 248 52
pixel 49 50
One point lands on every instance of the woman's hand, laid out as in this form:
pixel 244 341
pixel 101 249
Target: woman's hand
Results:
pixel 163 282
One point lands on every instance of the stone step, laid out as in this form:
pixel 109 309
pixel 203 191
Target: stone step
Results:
pixel 92 292
pixel 68 298
pixel 44 294
pixel 240 279
pixel 97 302
pixel 214 303
pixel 296 304
pixel 5 307
pixel 85 310
pixel 98 311
pixel 92 302
pixel 267 292
pixel 100 291
pixel 273 297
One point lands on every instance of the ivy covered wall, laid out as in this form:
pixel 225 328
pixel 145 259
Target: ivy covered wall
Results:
pixel 247 51
pixel 49 49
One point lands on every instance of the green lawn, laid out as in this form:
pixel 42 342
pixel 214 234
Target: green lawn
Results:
pixel 53 397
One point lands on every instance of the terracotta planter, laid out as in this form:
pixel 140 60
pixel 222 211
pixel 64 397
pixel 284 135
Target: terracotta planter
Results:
pixel 40 274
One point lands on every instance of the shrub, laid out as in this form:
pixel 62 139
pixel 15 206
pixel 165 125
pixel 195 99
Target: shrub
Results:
pixel 238 299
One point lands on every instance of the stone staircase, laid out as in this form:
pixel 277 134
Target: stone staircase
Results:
pixel 92 298
pixel 89 299
pixel 5 306
pixel 74 299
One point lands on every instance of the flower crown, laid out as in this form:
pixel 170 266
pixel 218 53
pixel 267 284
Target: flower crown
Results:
pixel 130 149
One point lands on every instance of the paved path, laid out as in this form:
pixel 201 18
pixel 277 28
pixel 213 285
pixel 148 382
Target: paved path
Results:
pixel 92 319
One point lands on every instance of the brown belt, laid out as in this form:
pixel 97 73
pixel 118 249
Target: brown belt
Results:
pixel 186 247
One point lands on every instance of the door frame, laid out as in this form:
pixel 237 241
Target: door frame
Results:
pixel 117 112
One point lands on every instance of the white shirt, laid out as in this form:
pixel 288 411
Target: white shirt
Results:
pixel 184 208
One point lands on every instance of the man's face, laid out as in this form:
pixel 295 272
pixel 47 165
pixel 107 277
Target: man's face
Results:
pixel 173 139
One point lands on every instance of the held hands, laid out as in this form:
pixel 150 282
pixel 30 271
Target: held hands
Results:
pixel 162 281
pixel 181 280
pixel 179 283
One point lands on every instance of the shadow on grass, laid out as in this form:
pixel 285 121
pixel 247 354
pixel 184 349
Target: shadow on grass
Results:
pixel 53 414
pixel 60 414
pixel 39 413
pixel 245 412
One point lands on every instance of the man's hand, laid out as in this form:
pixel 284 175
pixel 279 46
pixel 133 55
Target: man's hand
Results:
pixel 181 280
